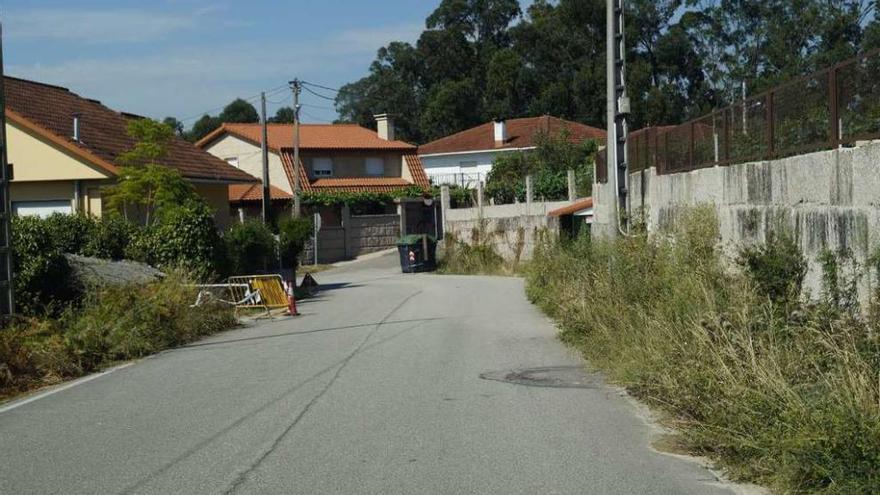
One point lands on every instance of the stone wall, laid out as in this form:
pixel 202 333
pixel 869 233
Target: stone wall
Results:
pixel 827 200
pixel 511 229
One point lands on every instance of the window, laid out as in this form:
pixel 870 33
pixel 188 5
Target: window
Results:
pixel 468 165
pixel 233 161
pixel 41 209
pixel 375 167
pixel 322 167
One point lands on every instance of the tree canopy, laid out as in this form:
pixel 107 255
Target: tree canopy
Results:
pixel 479 60
pixel 239 111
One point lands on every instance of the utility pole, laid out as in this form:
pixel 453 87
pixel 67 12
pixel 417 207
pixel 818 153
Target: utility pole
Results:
pixel 296 86
pixel 6 293
pixel 618 105
pixel 264 147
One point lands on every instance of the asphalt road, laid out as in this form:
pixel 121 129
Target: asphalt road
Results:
pixel 376 389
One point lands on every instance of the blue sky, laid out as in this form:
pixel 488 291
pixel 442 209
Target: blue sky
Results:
pixel 182 57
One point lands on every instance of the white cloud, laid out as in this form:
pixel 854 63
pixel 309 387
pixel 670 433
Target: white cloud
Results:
pixel 93 26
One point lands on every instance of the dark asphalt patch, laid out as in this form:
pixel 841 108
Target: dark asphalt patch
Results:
pixel 550 377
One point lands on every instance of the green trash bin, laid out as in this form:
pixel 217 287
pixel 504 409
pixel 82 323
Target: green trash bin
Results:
pixel 418 253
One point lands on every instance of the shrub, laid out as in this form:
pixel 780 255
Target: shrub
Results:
pixel 777 268
pixel 110 238
pixel 789 402
pixel 250 248
pixel 42 275
pixel 70 233
pixel 294 233
pixel 183 237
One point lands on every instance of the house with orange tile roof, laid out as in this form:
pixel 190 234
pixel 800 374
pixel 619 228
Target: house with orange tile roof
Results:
pixel 467 156
pixel 64 150
pixel 333 157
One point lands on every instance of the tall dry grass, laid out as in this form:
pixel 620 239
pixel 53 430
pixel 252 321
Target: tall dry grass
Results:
pixel 109 325
pixel 790 399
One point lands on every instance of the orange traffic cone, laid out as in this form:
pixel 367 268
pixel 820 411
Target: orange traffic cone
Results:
pixel 291 298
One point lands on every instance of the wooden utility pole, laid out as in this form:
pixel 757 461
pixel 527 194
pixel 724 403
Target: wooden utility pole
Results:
pixel 296 86
pixel 264 147
pixel 6 295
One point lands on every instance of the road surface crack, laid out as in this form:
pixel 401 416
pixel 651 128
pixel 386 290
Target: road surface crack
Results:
pixel 243 476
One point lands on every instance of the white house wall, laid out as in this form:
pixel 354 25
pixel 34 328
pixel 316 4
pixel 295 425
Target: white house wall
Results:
pixel 448 164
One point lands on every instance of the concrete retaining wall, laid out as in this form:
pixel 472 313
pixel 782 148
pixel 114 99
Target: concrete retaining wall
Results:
pixel 511 229
pixel 828 200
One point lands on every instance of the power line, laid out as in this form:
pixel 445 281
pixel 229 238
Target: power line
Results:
pixel 252 99
pixel 321 87
pixel 319 95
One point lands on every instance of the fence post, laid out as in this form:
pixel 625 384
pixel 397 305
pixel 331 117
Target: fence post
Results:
pixel 480 197
pixel 728 123
pixel 572 186
pixel 771 126
pixel 691 152
pixel 444 206
pixel 530 193
pixel 833 101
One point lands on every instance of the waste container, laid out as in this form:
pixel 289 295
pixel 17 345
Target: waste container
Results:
pixel 418 253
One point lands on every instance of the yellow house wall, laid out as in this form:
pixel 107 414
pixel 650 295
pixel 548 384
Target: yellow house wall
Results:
pixel 34 159
pixel 250 159
pixel 217 197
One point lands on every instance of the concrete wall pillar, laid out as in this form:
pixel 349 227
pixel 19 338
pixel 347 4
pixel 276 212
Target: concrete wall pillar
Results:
pixel 572 186
pixel 480 197
pixel 401 212
pixel 347 231
pixel 445 206
pixel 530 193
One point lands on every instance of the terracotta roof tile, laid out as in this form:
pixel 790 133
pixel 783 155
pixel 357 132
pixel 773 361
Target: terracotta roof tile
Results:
pixel 417 170
pixel 573 208
pixel 521 134
pixel 254 192
pixel 312 137
pixel 103 132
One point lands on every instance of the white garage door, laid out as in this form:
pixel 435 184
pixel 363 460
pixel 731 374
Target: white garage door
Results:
pixel 41 208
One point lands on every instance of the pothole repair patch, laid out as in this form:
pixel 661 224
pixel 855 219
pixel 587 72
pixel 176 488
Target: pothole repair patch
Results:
pixel 552 377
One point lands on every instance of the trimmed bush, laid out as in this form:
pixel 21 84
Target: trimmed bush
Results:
pixel 42 275
pixel 183 237
pixel 250 248
pixel 294 233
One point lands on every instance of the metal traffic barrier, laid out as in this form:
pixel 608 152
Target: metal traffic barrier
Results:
pixel 258 291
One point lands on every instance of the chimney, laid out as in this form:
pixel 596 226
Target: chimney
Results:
pixel 76 136
pixel 385 126
pixel 500 133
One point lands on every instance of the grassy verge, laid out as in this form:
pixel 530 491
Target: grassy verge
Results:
pixel 779 391
pixel 110 325
pixel 460 258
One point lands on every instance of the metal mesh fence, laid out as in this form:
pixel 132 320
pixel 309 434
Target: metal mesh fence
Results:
pixel 834 107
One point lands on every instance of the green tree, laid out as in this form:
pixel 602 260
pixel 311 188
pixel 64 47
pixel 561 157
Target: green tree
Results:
pixel 145 186
pixel 284 115
pixel 175 125
pixel 548 164
pixel 239 112
pixel 202 127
